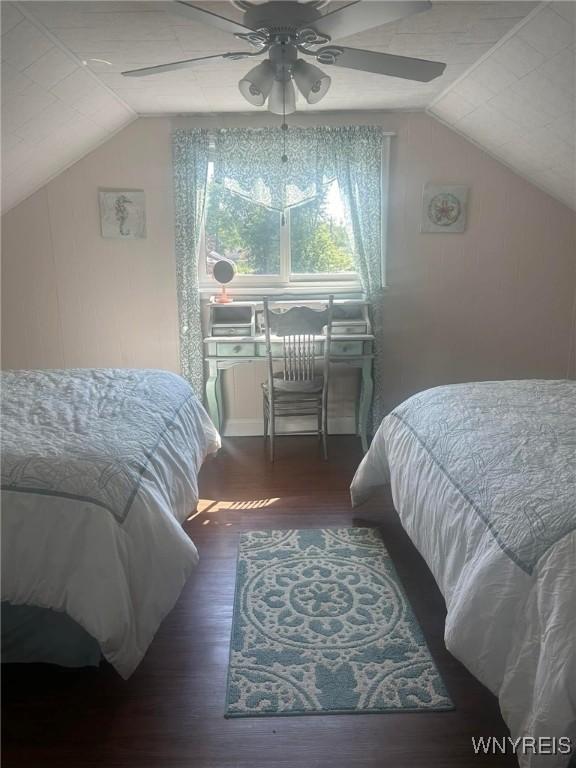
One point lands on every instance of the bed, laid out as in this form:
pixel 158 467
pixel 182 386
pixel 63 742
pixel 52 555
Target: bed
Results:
pixel 483 477
pixel 99 470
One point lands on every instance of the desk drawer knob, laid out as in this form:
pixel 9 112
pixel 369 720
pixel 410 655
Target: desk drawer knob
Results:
pixel 237 348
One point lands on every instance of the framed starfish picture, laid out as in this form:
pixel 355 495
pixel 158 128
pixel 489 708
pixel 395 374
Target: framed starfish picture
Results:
pixel 444 208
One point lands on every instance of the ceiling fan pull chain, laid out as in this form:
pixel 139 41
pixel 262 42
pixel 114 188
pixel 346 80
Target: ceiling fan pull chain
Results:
pixel 284 124
pixel 284 131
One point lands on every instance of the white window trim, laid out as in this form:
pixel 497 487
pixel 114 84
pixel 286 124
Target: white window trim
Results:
pixel 291 289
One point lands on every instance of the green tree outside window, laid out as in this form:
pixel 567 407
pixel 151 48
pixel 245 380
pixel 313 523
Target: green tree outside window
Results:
pixel 249 234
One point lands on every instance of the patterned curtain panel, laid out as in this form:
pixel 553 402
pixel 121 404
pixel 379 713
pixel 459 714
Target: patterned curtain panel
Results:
pixel 190 158
pixel 361 159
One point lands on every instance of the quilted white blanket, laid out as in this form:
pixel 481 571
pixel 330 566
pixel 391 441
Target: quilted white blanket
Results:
pixel 483 477
pixel 99 470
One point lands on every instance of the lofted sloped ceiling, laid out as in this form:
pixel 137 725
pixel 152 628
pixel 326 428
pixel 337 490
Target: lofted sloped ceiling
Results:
pixel 136 34
pixel 53 110
pixel 63 92
pixel 519 101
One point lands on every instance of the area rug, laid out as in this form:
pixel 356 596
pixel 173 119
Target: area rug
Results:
pixel 322 626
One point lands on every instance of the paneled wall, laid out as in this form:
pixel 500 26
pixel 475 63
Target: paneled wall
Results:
pixel 494 302
pixel 74 298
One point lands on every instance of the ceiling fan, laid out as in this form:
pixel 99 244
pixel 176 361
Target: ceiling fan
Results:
pixel 285 28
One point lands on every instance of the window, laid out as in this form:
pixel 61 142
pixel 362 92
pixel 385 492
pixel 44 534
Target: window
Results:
pixel 320 239
pixel 314 243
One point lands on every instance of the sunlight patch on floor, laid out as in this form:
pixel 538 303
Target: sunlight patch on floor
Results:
pixel 254 504
pixel 211 506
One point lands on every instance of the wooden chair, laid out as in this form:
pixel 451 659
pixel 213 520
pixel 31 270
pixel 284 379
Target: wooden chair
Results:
pixel 298 388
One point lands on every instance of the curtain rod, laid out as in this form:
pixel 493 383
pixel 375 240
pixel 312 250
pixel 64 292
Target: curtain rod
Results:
pixel 212 131
pixel 304 127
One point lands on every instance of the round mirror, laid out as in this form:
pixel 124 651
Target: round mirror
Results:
pixel 224 271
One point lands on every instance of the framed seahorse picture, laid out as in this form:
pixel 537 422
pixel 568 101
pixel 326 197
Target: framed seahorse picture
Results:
pixel 122 213
pixel 444 208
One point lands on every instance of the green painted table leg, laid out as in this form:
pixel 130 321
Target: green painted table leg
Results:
pixel 214 395
pixel 366 392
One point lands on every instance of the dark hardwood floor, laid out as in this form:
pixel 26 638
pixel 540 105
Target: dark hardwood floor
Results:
pixel 169 714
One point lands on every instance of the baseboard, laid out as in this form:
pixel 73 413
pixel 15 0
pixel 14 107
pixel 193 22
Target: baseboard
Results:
pixel 338 425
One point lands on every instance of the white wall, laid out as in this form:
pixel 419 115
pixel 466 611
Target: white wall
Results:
pixel 494 302
pixel 572 363
pixel 73 298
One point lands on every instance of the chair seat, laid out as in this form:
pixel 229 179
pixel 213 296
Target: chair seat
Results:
pixel 285 386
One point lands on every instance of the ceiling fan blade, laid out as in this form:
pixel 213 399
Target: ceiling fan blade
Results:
pixel 144 71
pixel 207 17
pixel 365 14
pixel 383 63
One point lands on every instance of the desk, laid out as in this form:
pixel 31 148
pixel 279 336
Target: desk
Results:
pixel 235 337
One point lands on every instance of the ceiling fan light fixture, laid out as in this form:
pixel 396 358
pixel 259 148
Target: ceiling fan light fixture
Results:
pixel 256 85
pixel 312 83
pixel 282 99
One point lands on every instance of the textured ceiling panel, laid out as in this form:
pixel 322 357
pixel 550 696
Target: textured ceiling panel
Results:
pixel 53 110
pixel 508 85
pixel 136 34
pixel 519 102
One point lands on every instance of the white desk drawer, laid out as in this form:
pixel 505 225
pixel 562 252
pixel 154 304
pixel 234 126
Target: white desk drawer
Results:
pixel 347 330
pixel 231 330
pixel 346 348
pixel 229 349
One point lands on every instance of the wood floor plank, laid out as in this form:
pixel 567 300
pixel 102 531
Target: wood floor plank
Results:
pixel 170 713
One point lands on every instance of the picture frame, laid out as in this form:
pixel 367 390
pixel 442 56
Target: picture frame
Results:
pixel 444 208
pixel 122 213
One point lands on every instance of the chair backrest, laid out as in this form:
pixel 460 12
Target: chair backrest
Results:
pixel 299 329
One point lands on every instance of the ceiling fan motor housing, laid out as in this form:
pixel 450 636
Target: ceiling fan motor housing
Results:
pixel 281 19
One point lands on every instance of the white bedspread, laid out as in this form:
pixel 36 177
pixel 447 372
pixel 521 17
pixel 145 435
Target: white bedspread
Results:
pixel 483 477
pixel 99 470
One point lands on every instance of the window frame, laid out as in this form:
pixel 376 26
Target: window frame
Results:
pixel 286 281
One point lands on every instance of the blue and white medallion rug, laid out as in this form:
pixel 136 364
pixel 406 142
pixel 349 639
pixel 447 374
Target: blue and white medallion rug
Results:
pixel 322 626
